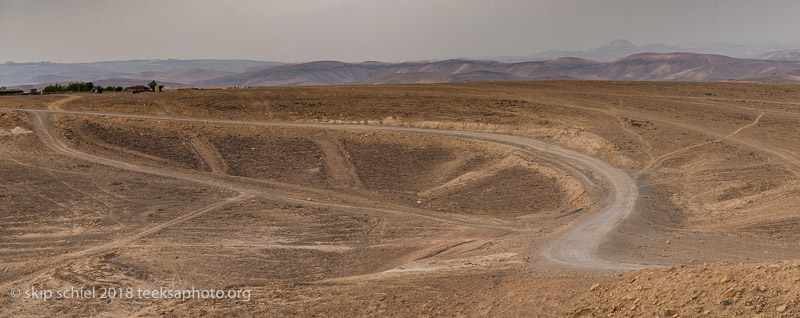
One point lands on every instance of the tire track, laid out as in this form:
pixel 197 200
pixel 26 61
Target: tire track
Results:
pixel 339 167
pixel 577 245
pixel 48 137
pixel 210 155
pixel 661 159
pixel 61 102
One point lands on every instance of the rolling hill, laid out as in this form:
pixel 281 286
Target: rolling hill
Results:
pixel 170 70
pixel 622 48
pixel 785 55
pixel 785 77
pixel 682 66
pixel 637 67
pixel 181 75
pixel 614 50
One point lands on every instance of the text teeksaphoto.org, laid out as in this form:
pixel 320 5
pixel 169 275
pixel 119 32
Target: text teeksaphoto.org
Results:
pixel 103 292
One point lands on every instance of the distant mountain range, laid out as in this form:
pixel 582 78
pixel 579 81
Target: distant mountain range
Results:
pixel 637 67
pixel 612 51
pixel 622 48
pixel 777 66
pixel 171 70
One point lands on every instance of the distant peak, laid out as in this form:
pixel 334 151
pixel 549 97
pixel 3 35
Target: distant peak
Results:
pixel 621 42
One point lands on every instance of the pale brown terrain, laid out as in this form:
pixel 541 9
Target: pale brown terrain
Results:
pixel 483 199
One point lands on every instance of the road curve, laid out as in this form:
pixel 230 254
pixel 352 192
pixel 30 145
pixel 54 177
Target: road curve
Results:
pixel 49 139
pixel 577 245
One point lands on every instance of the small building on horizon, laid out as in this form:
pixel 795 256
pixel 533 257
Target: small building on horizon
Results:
pixel 137 89
pixel 11 92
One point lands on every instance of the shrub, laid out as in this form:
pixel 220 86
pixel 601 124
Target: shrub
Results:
pixel 71 87
pixel 55 88
pixel 79 87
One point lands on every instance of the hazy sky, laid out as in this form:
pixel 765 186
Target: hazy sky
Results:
pixel 351 30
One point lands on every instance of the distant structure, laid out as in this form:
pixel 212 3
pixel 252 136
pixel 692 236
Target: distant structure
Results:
pixel 151 87
pixel 137 89
pixel 11 92
pixel 34 91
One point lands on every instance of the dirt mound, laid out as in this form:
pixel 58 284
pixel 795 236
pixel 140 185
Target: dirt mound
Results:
pixel 433 172
pixel 273 155
pixel 720 290
pixel 144 142
pixel 408 162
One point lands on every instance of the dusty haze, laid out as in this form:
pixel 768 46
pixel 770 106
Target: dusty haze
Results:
pixel 290 31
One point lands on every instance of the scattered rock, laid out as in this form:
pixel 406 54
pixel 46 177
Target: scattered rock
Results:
pixel 627 298
pixel 780 308
pixel 725 279
pixel 16 131
pixel 594 287
pixel 20 131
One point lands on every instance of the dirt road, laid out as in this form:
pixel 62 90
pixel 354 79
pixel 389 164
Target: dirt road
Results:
pixel 577 245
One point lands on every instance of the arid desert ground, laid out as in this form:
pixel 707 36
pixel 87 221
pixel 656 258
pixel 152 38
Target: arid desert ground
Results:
pixel 549 198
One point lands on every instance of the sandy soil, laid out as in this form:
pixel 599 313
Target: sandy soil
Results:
pixel 485 199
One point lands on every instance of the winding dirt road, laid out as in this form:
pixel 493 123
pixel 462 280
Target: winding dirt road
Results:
pixel 577 245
